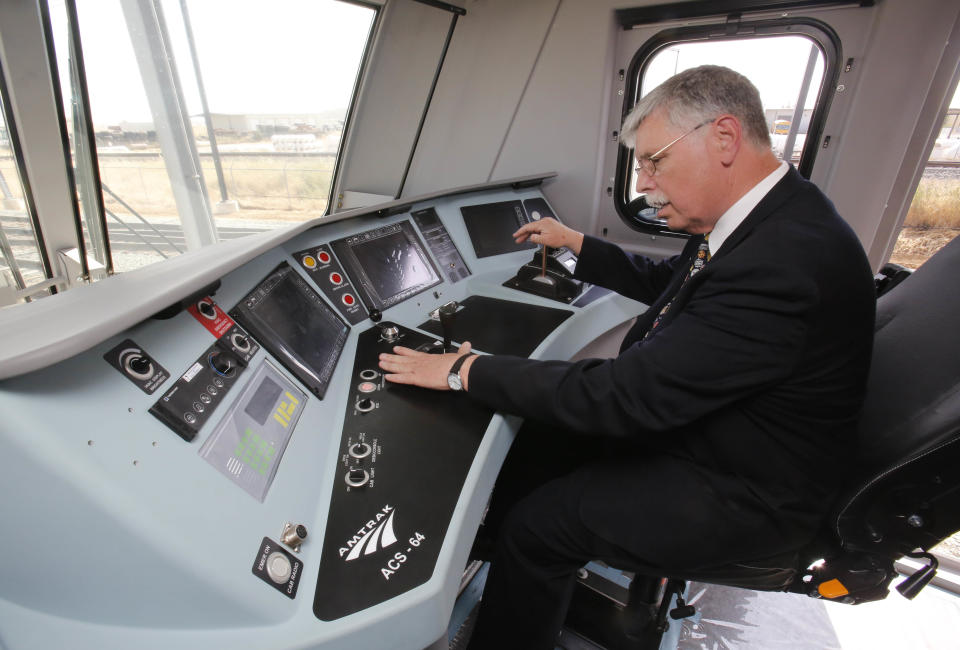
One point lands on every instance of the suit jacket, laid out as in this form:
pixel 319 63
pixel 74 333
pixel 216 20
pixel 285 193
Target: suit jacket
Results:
pixel 757 372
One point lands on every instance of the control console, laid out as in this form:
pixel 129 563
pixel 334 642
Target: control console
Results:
pixel 404 455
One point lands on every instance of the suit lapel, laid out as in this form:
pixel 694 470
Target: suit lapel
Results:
pixel 780 193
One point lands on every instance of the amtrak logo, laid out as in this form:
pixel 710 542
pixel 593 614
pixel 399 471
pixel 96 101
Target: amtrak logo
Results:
pixel 376 534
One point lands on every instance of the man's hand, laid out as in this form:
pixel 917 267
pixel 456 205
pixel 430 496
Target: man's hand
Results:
pixel 408 366
pixel 552 233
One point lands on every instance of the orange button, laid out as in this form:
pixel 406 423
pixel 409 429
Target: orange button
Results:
pixel 309 261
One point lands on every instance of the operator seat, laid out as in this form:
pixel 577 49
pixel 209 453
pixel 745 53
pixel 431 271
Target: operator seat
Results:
pixel 903 493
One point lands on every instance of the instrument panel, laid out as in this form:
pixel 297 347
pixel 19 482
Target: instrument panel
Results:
pixel 241 473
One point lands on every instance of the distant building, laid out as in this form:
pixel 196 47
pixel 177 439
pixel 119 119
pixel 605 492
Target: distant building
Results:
pixel 268 124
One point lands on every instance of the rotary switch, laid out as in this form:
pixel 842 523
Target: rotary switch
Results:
pixel 357 477
pixel 240 342
pixel 360 450
pixel 207 309
pixel 221 363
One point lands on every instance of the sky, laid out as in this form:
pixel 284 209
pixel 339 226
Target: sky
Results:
pixel 282 56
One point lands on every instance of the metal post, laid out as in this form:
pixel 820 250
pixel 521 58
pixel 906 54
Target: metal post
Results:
pixel 801 100
pixel 157 67
pixel 203 100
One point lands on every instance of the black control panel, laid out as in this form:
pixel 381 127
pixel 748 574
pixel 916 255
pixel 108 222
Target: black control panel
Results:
pixel 404 455
pixel 327 274
pixel 137 366
pixel 388 264
pixel 442 247
pixel 191 401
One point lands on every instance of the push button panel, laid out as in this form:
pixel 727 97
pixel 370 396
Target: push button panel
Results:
pixel 328 275
pixel 190 402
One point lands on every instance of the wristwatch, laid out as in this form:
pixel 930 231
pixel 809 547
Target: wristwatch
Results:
pixel 454 380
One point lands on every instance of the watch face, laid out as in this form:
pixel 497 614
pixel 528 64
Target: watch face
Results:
pixel 453 381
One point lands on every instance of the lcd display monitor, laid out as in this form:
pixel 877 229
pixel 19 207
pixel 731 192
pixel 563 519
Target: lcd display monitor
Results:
pixel 387 265
pixel 288 318
pixel 491 227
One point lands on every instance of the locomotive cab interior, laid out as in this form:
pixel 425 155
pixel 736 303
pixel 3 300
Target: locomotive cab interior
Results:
pixel 216 216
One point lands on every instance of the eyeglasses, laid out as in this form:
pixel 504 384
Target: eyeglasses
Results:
pixel 648 164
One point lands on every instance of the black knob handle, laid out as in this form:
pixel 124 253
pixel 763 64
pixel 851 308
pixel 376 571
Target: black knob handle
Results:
pixel 206 309
pixel 140 365
pixel 221 363
pixel 376 315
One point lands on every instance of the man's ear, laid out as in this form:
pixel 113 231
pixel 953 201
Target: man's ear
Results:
pixel 728 137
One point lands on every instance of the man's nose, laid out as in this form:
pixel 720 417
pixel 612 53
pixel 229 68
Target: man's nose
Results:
pixel 645 182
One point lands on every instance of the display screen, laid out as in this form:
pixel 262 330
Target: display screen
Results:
pixel 295 325
pixel 388 264
pixel 491 227
pixel 263 400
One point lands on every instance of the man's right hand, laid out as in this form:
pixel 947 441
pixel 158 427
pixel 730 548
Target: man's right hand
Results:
pixel 552 233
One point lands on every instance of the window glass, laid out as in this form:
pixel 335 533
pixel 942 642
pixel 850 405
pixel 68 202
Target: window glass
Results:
pixel 212 119
pixel 777 66
pixel 933 218
pixel 20 263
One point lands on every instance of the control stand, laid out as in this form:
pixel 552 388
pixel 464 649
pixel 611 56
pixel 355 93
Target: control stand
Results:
pixel 404 455
pixel 551 278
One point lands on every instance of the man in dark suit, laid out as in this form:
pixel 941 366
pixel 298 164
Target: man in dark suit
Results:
pixel 718 435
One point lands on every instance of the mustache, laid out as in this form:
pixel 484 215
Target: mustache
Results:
pixel 656 200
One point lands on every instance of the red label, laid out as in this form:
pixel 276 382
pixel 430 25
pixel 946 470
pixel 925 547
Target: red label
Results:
pixel 211 316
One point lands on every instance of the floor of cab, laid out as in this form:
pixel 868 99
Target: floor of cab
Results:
pixel 731 619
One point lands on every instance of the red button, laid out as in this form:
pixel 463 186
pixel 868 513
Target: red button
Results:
pixel 324 257
pixel 336 278
pixel 348 299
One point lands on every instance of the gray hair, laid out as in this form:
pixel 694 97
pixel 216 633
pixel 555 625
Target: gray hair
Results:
pixel 699 94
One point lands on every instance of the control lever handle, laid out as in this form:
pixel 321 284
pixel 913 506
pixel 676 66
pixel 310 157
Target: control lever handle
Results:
pixel 447 314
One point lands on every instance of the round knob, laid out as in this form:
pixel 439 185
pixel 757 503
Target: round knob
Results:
pixel 220 363
pixel 360 450
pixel 206 309
pixel 140 365
pixel 376 315
pixel 391 333
pixel 357 477
pixel 240 342
pixel 364 404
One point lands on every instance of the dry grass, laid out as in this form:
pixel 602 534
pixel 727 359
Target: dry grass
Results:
pixel 283 186
pixel 936 204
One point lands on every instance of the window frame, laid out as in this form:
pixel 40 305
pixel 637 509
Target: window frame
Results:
pixel 817 31
pixel 73 39
pixel 16 149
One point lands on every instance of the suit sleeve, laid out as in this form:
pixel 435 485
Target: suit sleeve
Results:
pixel 740 332
pixel 633 276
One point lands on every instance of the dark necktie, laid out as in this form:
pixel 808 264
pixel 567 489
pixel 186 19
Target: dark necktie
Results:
pixel 700 258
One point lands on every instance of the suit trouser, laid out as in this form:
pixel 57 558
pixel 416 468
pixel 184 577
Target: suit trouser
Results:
pixel 563 500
